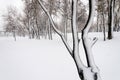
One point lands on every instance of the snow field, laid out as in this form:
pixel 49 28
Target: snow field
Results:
pixel 33 59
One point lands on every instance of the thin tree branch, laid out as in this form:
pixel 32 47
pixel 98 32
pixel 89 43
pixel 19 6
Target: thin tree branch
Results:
pixel 56 30
pixel 95 39
pixel 51 20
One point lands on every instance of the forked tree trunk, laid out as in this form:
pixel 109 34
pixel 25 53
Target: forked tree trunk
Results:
pixel 92 72
pixel 89 72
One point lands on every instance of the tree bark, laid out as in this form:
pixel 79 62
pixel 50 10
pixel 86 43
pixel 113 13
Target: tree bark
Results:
pixel 110 19
pixel 97 22
pixel 89 72
pixel 93 72
pixel 104 28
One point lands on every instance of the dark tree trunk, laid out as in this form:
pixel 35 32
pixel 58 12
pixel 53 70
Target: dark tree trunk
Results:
pixel 110 19
pixel 103 23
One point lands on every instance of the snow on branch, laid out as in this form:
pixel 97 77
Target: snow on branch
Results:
pixel 76 40
pixel 95 39
pixel 51 20
pixel 86 42
pixel 54 27
pixel 90 17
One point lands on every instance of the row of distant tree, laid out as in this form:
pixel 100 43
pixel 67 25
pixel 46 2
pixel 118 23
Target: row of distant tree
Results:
pixel 34 22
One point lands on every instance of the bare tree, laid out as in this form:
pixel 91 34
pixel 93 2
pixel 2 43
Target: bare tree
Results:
pixel 117 16
pixel 110 18
pixel 27 17
pixel 12 22
pixel 94 71
pixel 89 72
pixel 51 4
pixel 101 16
pixel 81 15
pixel 65 17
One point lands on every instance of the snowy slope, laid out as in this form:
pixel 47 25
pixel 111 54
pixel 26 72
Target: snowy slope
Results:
pixel 49 60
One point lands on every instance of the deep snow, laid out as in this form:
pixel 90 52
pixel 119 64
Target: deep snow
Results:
pixel 43 59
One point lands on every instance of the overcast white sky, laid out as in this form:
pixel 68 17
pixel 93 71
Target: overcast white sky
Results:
pixel 3 6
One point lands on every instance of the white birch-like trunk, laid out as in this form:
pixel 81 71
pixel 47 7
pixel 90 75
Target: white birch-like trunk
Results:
pixel 89 72
pixel 93 72
pixel 76 56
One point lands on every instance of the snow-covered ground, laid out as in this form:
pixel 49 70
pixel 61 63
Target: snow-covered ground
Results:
pixel 49 60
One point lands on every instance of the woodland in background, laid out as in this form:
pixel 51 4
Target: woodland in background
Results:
pixel 33 22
